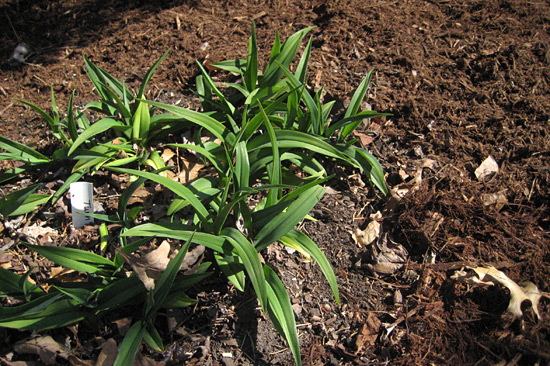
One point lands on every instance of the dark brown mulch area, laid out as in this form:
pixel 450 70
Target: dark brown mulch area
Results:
pixel 464 81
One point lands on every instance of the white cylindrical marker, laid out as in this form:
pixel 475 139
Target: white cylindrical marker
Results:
pixel 82 201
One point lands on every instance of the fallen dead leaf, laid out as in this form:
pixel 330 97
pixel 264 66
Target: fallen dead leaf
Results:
pixel 387 256
pixel 140 195
pixel 487 169
pixel 108 354
pixel 45 347
pixel 75 361
pixel 167 154
pixel 371 232
pixel 39 234
pixel 189 172
pixel 490 276
pixel 150 267
pixel 498 199
pixel 369 333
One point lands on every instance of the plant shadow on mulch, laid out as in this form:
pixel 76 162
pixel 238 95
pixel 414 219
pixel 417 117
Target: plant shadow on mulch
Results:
pixel 464 81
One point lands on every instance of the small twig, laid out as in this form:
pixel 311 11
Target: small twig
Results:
pixel 5 109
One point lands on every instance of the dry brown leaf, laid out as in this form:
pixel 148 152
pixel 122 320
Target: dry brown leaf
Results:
pixel 498 199
pixel 490 276
pixel 487 169
pixel 371 232
pixel 140 195
pixel 167 154
pixel 189 171
pixel 369 333
pixel 45 347
pixel 39 234
pixel 75 361
pixel 386 255
pixel 150 267
pixel 108 354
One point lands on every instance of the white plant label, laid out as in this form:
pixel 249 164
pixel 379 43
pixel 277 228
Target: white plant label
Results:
pixel 82 202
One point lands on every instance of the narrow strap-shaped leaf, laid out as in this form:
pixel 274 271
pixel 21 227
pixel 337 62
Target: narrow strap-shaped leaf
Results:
pixel 141 121
pixel 70 119
pixel 96 74
pixel 205 153
pixel 281 313
pixel 226 105
pixel 355 104
pixel 251 261
pixel 201 119
pixel 301 69
pixel 235 66
pixel 287 52
pixel 76 259
pixel 130 345
pixel 298 140
pixel 41 112
pixel 301 242
pixel 233 268
pixel 149 75
pixel 354 120
pixel 175 187
pixel 242 166
pixel 22 152
pixel 370 166
pixel 10 284
pixel 95 129
pixel 177 231
pixel 30 203
pixel 275 171
pixel 164 283
pixel 285 221
pixel 11 202
pixel 312 106
pixel 61 191
pixel 251 74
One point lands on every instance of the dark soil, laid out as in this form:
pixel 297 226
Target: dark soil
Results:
pixel 464 81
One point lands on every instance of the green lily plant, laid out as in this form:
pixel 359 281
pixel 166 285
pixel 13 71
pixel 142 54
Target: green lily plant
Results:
pixel 298 110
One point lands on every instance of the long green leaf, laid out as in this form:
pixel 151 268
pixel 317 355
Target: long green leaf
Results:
pixel 11 203
pixel 149 75
pixel 76 259
pixel 164 283
pixel 281 313
pixel 233 268
pixel 355 104
pixel 251 74
pixel 285 221
pixel 251 261
pixel 177 231
pixel 130 344
pixel 287 52
pixel 175 187
pixel 95 129
pixel 370 166
pixel 300 241
pixel 201 119
pixel 21 152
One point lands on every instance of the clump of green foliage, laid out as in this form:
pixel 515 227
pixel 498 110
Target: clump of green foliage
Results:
pixel 266 128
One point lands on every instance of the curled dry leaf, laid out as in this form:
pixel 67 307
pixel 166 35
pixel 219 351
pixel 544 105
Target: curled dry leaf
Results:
pixel 387 256
pixel 371 232
pixel 498 199
pixel 490 276
pixel 45 347
pixel 487 169
pixel 108 354
pixel 150 267
pixel 39 234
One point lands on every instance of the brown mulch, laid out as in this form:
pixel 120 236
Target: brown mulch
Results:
pixel 463 80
